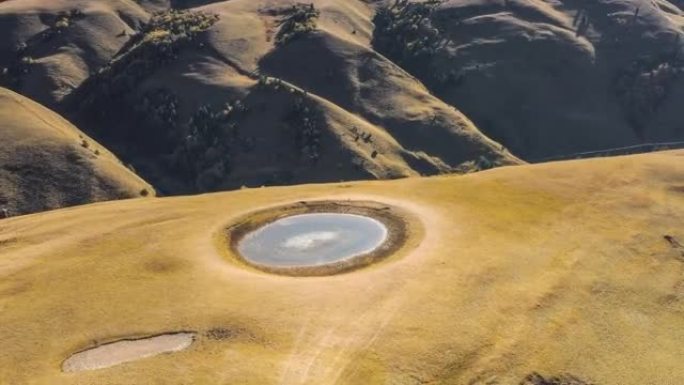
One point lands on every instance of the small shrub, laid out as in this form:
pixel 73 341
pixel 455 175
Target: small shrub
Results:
pixel 305 123
pixel 299 21
pixel 221 334
pixel 211 137
pixel 62 23
pixel 483 163
pixel 644 85
pixel 157 111
pixel 12 76
pixel 537 379
pixel 158 43
pixel 406 33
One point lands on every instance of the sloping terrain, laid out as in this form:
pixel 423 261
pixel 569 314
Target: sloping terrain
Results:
pixel 548 78
pixel 47 163
pixel 250 93
pixel 233 80
pixel 49 47
pixel 565 273
pixel 211 95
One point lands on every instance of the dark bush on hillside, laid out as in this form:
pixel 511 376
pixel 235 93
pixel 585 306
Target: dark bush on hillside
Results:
pixel 20 64
pixel 205 152
pixel 405 33
pixel 643 86
pixel 110 93
pixel 538 379
pixel 299 21
pixel 303 121
pixel 157 111
pixel 157 44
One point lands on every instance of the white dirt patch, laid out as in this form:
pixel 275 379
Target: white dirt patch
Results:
pixel 122 351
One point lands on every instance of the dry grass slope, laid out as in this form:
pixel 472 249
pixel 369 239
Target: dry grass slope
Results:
pixel 552 274
pixel 548 78
pixel 348 114
pixel 47 163
pixel 50 47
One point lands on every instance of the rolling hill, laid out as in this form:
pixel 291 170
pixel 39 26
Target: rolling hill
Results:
pixel 433 255
pixel 225 94
pixel 563 273
pixel 544 79
pixel 548 78
pixel 47 163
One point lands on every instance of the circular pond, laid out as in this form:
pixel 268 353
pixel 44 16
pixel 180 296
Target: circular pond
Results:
pixel 310 240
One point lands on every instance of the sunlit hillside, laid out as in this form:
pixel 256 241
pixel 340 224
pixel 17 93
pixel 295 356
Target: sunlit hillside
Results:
pixel 572 270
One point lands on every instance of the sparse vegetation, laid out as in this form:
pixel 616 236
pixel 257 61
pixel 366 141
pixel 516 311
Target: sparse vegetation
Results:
pixel 156 124
pixel 643 86
pixel 60 166
pixel 157 44
pixel 205 152
pixel 361 136
pixel 12 75
pixel 405 33
pixel 219 334
pixel 20 65
pixel 299 21
pixel 480 164
pixel 63 21
pixel 157 111
pixel 538 379
pixel 303 120
pixel 483 163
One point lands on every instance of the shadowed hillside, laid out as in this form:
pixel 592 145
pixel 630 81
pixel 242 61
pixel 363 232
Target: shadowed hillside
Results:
pixel 213 95
pixel 547 78
pixel 47 163
pixel 230 108
pixel 227 94
pixel 50 47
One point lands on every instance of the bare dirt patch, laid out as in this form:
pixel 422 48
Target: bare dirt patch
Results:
pixel 127 350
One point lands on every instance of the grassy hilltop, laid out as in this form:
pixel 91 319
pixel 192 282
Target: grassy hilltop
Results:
pixel 561 269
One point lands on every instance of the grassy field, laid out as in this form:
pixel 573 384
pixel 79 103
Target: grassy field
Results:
pixel 553 268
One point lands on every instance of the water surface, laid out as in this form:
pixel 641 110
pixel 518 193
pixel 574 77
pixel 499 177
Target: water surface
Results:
pixel 312 239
